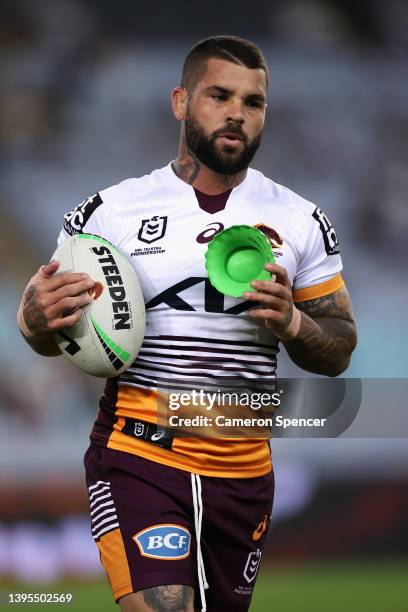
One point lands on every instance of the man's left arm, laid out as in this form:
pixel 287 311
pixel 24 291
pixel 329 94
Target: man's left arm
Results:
pixel 318 334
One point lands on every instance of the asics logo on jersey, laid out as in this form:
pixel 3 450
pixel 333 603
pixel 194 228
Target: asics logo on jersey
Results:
pixel 152 229
pixel 208 234
pixel 157 436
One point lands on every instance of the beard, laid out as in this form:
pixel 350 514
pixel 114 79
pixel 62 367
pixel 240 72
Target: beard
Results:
pixel 227 160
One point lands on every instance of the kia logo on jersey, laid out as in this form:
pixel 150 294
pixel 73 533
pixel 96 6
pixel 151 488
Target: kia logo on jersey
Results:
pixel 152 229
pixel 165 541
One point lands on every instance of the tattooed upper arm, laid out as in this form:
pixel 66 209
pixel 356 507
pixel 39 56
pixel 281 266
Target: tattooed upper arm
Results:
pixel 335 305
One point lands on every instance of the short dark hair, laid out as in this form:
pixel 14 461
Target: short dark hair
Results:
pixel 230 48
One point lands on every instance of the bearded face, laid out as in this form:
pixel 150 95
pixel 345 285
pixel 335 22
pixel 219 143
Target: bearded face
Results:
pixel 214 150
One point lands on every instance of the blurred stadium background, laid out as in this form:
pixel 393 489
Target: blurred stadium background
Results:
pixel 84 104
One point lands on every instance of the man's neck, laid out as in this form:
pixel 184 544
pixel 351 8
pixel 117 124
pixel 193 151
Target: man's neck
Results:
pixel 190 170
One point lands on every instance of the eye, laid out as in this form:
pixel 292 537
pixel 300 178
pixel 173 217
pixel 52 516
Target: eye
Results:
pixel 254 103
pixel 219 97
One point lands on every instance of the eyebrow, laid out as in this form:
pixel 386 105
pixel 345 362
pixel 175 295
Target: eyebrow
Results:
pixel 224 90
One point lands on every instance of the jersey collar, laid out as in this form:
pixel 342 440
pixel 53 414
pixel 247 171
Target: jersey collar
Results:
pixel 185 188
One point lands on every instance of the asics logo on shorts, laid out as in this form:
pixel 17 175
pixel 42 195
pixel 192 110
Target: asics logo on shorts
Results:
pixel 166 541
pixel 260 530
pixel 103 511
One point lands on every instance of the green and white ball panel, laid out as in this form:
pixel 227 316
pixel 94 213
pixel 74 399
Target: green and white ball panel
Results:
pixel 110 332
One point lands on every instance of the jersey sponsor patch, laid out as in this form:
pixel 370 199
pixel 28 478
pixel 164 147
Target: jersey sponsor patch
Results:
pixel 331 243
pixel 165 541
pixel 75 220
pixel 213 300
pixel 149 432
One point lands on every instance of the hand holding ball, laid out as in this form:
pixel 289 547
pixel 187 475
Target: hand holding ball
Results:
pixel 109 334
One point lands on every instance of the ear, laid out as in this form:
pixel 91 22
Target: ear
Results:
pixel 179 98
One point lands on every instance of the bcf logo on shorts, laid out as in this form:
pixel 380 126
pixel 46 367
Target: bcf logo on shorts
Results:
pixel 165 541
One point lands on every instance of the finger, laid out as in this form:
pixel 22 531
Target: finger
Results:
pixel 44 272
pixel 70 290
pixel 265 313
pixel 280 273
pixel 270 288
pixel 68 321
pixel 65 278
pixel 67 306
pixel 50 269
pixel 270 300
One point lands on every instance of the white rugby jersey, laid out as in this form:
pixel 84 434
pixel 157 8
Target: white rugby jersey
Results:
pixel 193 332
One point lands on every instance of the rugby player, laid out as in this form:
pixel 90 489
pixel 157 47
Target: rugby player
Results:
pixel 180 523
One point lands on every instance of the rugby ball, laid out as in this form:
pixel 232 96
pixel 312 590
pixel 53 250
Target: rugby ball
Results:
pixel 108 336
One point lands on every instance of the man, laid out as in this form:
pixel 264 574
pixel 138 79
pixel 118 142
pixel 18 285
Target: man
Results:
pixel 179 520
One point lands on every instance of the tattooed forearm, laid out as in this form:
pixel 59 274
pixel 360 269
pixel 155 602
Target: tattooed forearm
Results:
pixel 166 598
pixel 327 335
pixel 322 346
pixel 34 318
pixel 42 341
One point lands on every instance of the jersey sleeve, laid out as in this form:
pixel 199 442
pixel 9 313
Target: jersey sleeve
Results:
pixel 85 218
pixel 319 268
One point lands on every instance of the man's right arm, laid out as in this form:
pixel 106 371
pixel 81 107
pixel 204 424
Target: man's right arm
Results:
pixel 51 302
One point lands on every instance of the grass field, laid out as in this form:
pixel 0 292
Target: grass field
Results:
pixel 334 587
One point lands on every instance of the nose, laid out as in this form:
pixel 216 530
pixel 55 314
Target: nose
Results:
pixel 235 111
